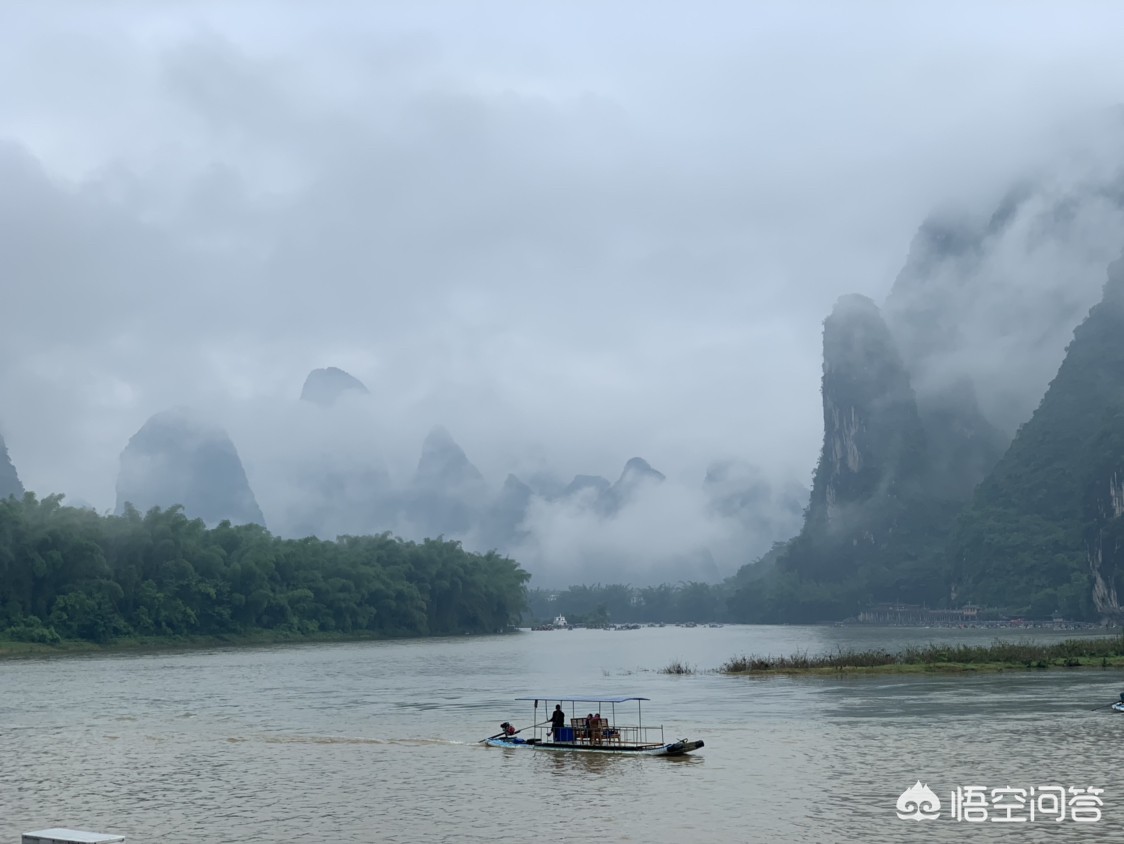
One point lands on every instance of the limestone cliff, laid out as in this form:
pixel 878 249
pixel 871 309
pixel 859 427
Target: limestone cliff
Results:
pixel 873 441
pixel 868 509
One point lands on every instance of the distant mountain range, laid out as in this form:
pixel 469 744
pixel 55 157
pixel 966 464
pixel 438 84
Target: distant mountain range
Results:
pixel 178 458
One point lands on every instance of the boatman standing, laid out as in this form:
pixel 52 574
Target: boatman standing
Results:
pixel 557 721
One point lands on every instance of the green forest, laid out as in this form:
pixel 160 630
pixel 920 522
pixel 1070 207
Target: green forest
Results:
pixel 72 574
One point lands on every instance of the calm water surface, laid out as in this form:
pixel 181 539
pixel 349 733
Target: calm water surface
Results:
pixel 379 742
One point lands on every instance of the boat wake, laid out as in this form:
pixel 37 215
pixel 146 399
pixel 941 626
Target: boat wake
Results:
pixel 296 739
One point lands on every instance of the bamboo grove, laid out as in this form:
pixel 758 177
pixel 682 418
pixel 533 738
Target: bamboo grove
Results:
pixel 68 573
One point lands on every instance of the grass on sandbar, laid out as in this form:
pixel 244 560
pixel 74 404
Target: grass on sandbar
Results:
pixel 677 667
pixel 999 655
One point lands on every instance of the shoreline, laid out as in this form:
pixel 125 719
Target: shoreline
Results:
pixel 181 644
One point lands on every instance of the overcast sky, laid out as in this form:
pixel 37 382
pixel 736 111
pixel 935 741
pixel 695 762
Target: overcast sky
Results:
pixel 570 232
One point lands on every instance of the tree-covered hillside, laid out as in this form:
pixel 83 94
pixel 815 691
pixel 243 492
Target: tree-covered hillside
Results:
pixel 1046 528
pixel 71 573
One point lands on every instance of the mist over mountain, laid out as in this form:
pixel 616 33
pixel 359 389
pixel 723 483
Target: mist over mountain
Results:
pixel 447 495
pixel 9 479
pixel 566 262
pixel 593 485
pixel 325 386
pixel 990 293
pixel 501 524
pixel 740 489
pixel 325 469
pixel 176 458
pixel 919 409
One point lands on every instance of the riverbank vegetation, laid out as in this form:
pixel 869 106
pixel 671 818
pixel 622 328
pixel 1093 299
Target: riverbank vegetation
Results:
pixel 70 575
pixel 1072 653
pixel 677 666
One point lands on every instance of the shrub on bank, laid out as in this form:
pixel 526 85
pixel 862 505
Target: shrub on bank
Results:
pixel 677 667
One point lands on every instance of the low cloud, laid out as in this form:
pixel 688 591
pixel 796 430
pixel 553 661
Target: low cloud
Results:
pixel 570 238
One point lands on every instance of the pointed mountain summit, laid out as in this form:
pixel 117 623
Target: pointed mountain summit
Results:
pixel 325 386
pixel 175 458
pixel 637 475
pixel 448 492
pixel 444 463
pixel 637 471
pixel 9 480
pixel 1045 531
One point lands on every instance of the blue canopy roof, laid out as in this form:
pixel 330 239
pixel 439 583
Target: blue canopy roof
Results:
pixel 583 698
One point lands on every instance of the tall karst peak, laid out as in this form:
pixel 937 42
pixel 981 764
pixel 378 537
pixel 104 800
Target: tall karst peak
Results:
pixel 857 339
pixel 448 494
pixel 444 462
pixel 637 475
pixel 867 501
pixel 637 470
pixel 178 457
pixel 872 433
pixel 324 387
pixel 9 479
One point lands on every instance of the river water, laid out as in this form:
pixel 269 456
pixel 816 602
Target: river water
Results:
pixel 373 742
